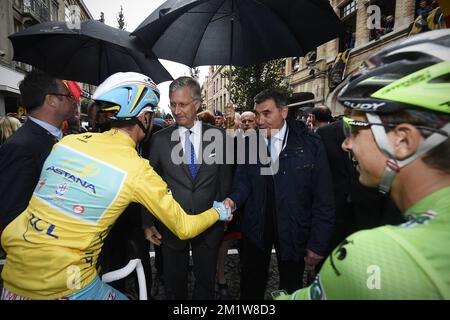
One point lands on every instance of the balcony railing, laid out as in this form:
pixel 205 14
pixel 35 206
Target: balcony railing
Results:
pixel 38 9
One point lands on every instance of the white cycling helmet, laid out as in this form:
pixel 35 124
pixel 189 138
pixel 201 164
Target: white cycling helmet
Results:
pixel 126 95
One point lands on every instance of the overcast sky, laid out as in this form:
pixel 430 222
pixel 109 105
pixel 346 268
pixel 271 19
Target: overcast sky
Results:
pixel 135 11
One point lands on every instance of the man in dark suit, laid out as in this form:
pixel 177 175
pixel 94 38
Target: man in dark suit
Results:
pixel 48 101
pixel 196 175
pixel 289 204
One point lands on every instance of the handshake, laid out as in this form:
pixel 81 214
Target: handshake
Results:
pixel 224 209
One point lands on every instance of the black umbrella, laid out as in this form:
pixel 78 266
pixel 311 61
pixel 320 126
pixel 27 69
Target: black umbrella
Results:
pixel 237 32
pixel 89 54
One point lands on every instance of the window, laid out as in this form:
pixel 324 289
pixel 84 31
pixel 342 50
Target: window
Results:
pixel 72 13
pixel 19 27
pixel 348 17
pixel 422 8
pixel 348 9
pixel 295 64
pixel 311 57
pixel 67 12
pixel 349 39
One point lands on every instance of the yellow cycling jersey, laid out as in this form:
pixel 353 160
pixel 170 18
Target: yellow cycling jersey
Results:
pixel 86 183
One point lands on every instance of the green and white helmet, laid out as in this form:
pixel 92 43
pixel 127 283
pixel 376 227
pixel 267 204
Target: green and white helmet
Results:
pixel 412 74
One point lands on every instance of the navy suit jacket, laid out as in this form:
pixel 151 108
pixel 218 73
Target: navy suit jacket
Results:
pixel 303 196
pixel 21 159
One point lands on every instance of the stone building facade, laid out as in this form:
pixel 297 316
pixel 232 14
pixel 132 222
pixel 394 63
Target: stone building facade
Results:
pixel 217 95
pixel 17 15
pixel 310 73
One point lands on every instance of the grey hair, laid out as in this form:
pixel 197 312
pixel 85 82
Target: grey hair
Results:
pixel 277 96
pixel 185 81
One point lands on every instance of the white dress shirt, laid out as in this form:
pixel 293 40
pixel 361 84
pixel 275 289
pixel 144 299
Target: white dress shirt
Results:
pixel 195 137
pixel 278 142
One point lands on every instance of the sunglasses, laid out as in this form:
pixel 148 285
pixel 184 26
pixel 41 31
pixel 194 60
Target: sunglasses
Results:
pixel 247 121
pixel 352 127
pixel 68 95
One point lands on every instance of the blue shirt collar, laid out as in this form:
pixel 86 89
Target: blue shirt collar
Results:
pixel 56 132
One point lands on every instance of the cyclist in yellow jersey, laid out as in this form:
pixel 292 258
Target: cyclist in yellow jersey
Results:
pixel 399 136
pixel 86 183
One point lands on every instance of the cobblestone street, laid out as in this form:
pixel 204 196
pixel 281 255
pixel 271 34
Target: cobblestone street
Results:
pixel 232 274
pixel 232 270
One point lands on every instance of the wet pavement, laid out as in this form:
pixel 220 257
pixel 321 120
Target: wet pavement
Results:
pixel 232 274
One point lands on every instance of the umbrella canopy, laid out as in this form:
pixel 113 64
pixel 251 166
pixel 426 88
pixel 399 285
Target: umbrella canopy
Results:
pixel 89 54
pixel 237 32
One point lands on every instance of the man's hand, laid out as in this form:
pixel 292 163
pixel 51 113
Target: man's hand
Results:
pixel 229 204
pixel 152 234
pixel 224 213
pixel 312 258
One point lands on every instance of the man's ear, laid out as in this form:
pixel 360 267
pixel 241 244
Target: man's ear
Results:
pixel 197 104
pixel 50 100
pixel 284 112
pixel 405 140
pixel 143 118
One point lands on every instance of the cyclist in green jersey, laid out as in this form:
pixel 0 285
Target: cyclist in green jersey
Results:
pixel 398 134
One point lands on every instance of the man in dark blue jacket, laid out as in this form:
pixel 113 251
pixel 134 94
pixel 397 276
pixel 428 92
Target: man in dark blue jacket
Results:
pixel 287 196
pixel 48 101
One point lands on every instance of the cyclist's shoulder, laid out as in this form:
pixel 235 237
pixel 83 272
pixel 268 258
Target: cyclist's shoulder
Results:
pixel 81 138
pixel 374 234
pixel 369 247
pixel 375 264
pixel 390 239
